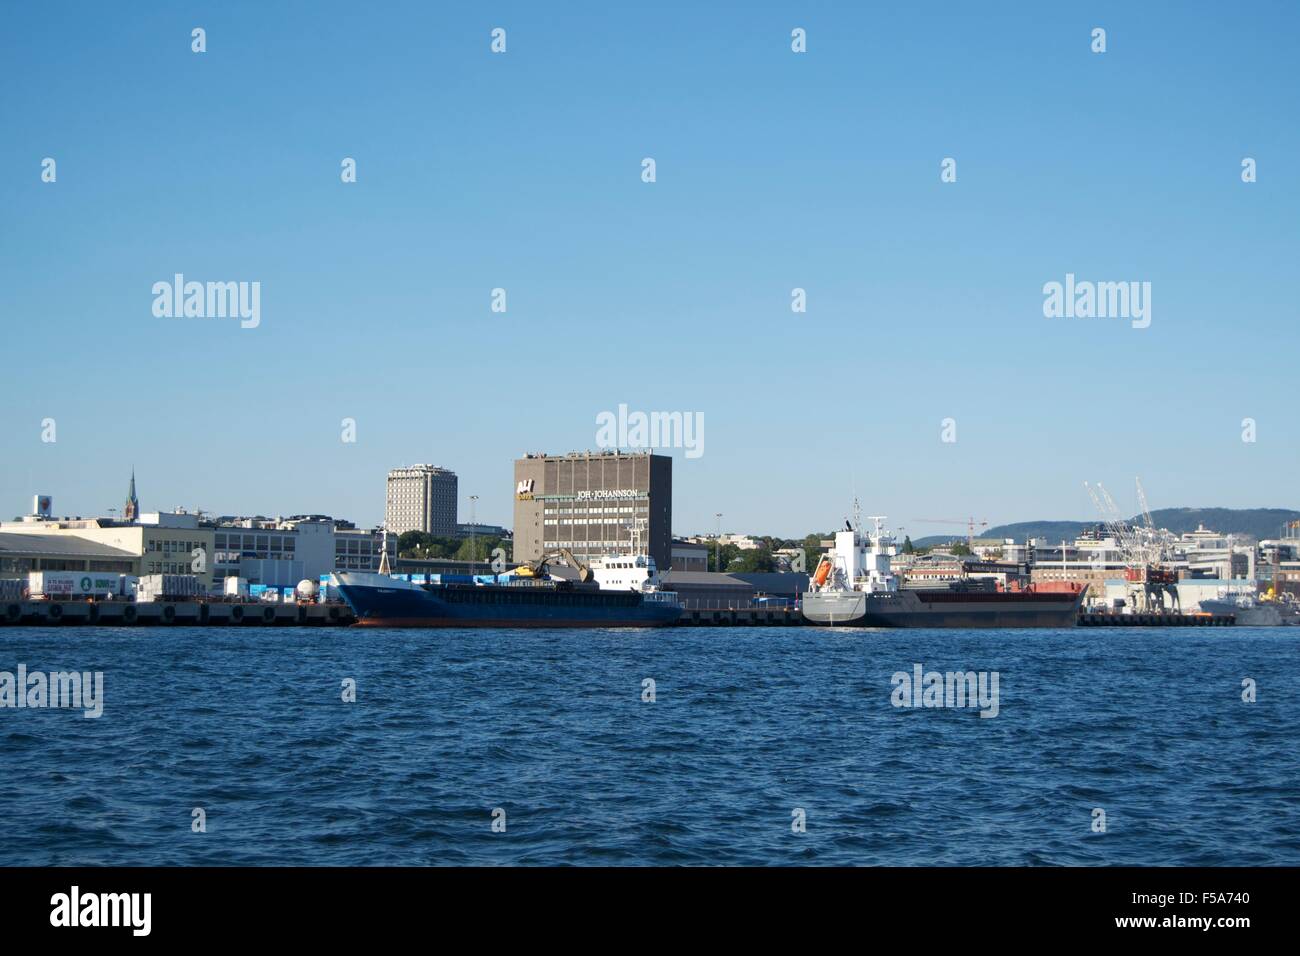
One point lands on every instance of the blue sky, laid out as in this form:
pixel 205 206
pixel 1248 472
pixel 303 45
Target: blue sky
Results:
pixel 775 170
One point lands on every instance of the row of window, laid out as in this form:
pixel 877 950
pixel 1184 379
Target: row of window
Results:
pixel 172 546
pixel 609 522
pixel 256 542
pixel 233 557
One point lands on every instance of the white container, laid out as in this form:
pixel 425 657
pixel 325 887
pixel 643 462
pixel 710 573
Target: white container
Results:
pixel 167 587
pixel 236 587
pixel 72 584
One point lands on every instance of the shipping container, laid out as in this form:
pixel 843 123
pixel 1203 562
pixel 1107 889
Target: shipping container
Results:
pixel 168 587
pixel 236 587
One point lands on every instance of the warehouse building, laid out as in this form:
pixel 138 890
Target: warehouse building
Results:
pixel 21 554
pixel 159 543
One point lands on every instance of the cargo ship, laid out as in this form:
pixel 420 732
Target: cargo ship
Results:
pixel 616 591
pixel 1252 610
pixel 854 586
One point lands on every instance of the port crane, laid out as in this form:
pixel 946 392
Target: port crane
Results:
pixel 1150 582
pixel 970 524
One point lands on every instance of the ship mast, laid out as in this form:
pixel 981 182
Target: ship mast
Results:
pixel 384 567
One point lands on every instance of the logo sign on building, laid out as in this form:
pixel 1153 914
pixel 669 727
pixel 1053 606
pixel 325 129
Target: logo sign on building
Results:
pixel 524 490
pixel 42 505
pixel 609 494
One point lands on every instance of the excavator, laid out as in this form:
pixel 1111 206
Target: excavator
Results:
pixel 537 569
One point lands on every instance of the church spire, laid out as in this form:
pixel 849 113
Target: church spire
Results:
pixel 132 510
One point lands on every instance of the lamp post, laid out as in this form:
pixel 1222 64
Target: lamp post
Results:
pixel 718 550
pixel 473 528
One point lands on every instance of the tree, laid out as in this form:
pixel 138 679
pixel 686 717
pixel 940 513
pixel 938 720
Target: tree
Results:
pixel 960 548
pixel 729 553
pixel 752 561
pixel 411 542
pixel 812 551
pixel 908 547
pixel 480 549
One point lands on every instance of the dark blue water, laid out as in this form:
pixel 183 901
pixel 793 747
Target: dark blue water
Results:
pixel 748 725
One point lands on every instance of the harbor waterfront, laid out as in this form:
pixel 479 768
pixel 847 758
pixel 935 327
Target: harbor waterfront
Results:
pixel 226 614
pixel 553 728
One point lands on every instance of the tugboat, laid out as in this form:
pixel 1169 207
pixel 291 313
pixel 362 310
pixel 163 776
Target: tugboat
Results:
pixel 854 586
pixel 528 596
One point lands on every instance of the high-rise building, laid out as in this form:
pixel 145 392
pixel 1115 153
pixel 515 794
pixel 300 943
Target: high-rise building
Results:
pixel 421 498
pixel 594 503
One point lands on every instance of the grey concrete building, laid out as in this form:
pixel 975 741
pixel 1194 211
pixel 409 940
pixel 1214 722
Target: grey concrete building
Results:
pixel 594 503
pixel 422 498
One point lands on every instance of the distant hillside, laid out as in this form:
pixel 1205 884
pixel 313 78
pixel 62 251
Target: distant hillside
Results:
pixel 1255 522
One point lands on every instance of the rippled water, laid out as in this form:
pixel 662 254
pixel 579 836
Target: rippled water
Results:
pixel 748 725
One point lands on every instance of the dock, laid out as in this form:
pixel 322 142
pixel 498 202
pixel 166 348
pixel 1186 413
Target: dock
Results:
pixel 1155 619
pixel 335 614
pixel 174 613
pixel 742 616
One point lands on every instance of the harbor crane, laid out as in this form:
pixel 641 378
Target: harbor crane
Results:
pixel 970 524
pixel 1150 582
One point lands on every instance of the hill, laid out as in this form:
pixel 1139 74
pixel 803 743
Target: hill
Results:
pixel 1253 522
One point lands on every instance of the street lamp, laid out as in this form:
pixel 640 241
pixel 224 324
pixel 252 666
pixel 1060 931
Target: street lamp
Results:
pixel 473 527
pixel 718 550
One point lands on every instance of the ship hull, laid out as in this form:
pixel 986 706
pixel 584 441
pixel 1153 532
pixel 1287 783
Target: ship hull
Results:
pixel 941 609
pixel 501 606
pixel 1253 615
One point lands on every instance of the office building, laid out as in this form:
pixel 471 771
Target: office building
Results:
pixel 594 503
pixel 421 498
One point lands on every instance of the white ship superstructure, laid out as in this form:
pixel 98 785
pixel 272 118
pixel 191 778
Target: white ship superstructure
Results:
pixel 855 586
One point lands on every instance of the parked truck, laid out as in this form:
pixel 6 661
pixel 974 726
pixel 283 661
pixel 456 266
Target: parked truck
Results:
pixel 168 587
pixel 78 584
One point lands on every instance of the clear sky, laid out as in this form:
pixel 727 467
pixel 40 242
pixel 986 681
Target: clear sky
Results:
pixel 775 170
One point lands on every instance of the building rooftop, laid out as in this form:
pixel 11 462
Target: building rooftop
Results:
pixel 602 453
pixel 59 544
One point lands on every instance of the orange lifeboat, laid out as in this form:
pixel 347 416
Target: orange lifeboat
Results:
pixel 823 572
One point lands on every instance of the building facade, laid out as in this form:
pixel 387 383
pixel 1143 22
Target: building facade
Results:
pixel 159 543
pixel 594 503
pixel 422 498
pixel 687 556
pixel 280 552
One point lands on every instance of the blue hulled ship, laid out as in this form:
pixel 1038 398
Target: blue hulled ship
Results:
pixel 618 591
